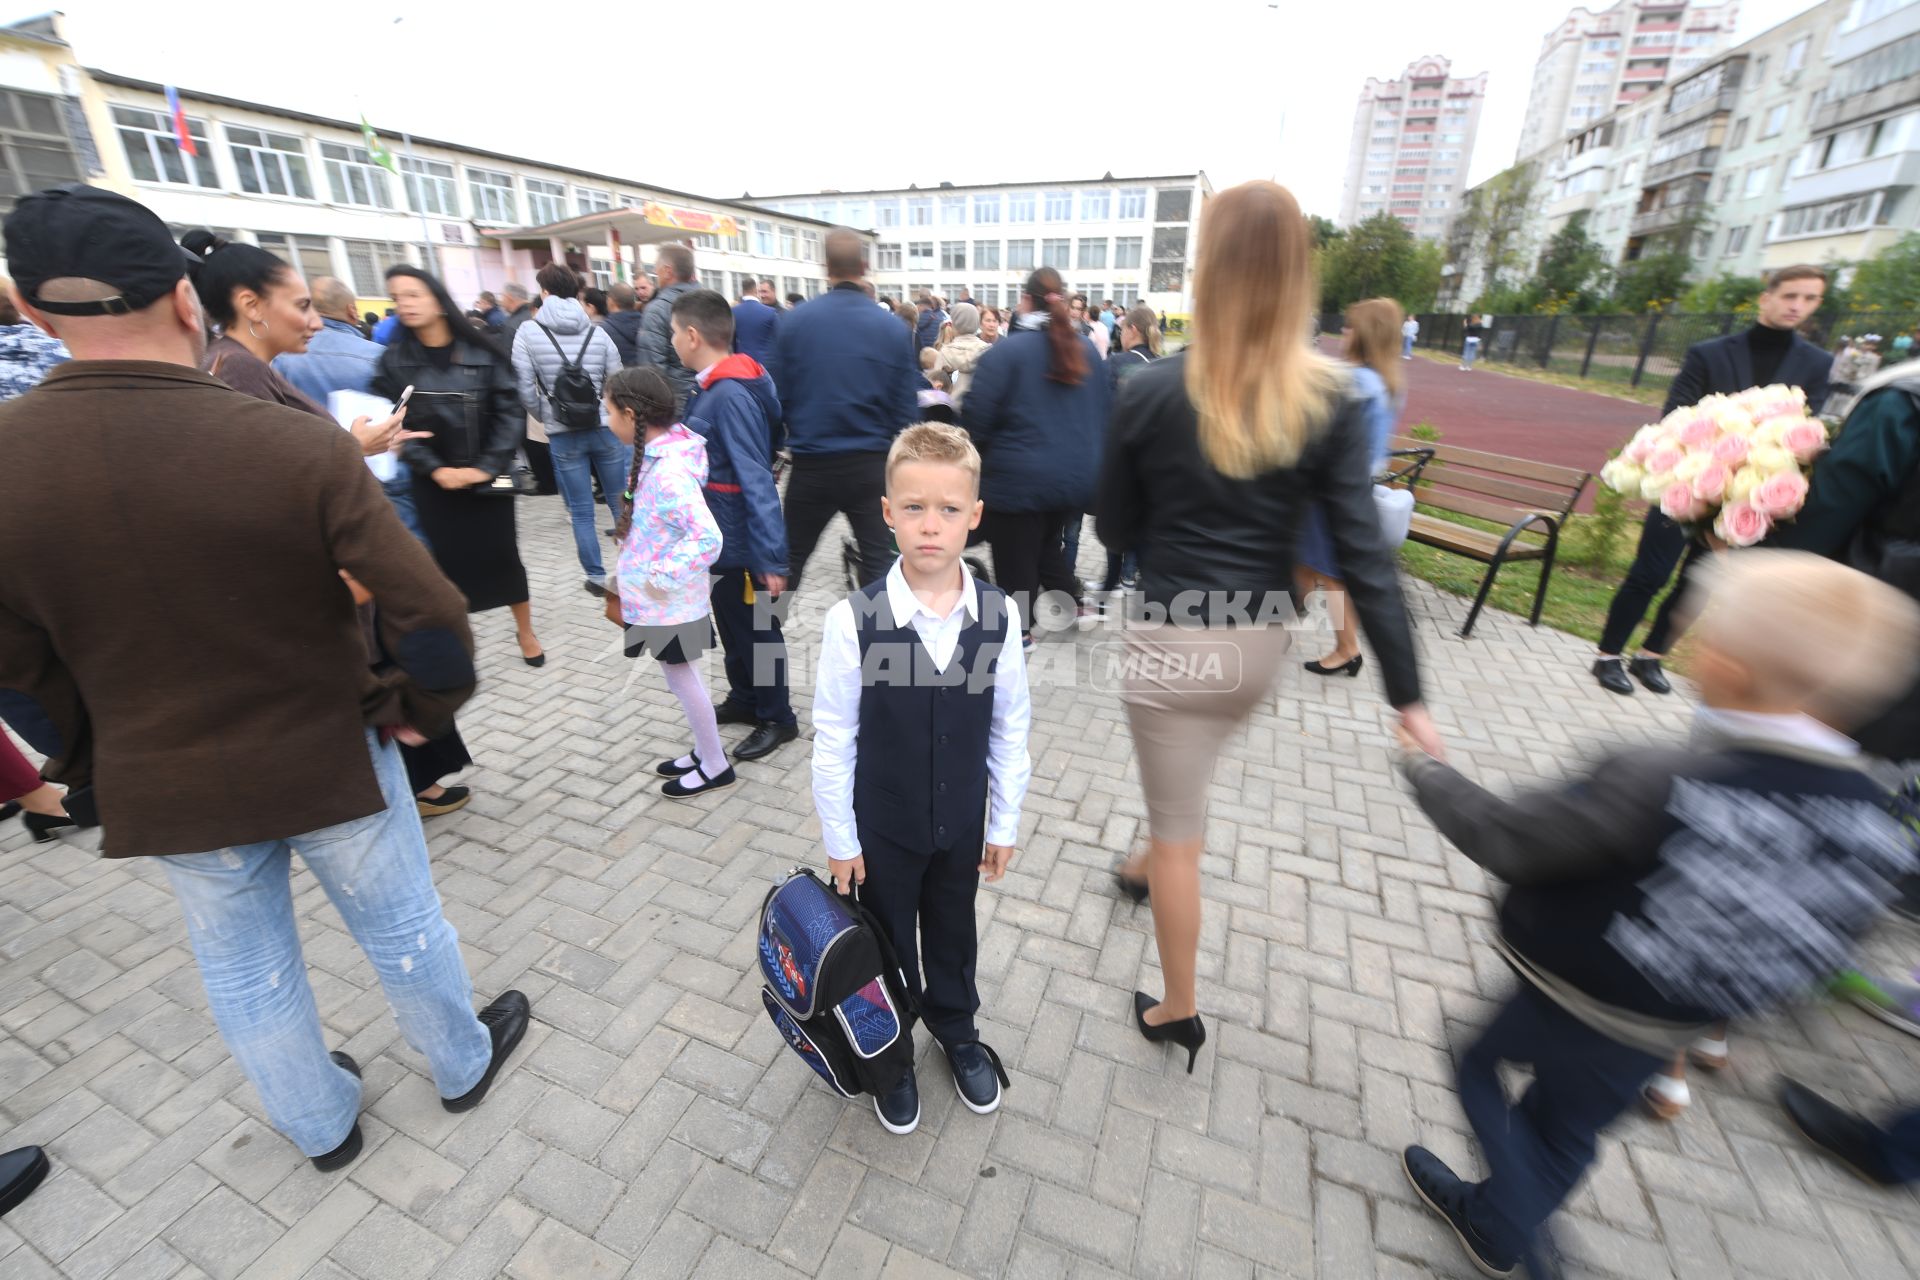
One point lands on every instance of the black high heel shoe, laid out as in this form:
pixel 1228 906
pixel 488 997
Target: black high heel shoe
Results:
pixel 1349 668
pixel 40 824
pixel 1188 1033
pixel 1135 889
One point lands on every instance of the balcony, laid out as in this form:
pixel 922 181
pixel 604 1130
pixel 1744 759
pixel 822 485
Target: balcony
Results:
pixel 1721 101
pixel 1875 173
pixel 1701 161
pixel 1643 75
pixel 1832 115
pixel 1654 221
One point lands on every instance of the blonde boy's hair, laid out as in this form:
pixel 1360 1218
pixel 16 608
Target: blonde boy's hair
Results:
pixel 937 443
pixel 1815 635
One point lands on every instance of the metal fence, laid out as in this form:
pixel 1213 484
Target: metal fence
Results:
pixel 1631 350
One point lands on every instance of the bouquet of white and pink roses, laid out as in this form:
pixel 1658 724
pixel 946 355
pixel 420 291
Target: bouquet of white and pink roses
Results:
pixel 1739 462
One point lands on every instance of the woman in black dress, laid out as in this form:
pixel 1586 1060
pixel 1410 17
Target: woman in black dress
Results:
pixel 464 394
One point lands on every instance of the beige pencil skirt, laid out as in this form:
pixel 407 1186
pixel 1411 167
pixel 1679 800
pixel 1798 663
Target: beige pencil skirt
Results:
pixel 1186 690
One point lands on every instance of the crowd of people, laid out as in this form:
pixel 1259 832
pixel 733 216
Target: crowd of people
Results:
pixel 304 646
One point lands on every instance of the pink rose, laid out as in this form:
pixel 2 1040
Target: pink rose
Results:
pixel 1805 439
pixel 1637 450
pixel 1778 409
pixel 1731 450
pixel 1711 485
pixel 1781 494
pixel 1741 524
pixel 1678 504
pixel 1699 433
pixel 1663 458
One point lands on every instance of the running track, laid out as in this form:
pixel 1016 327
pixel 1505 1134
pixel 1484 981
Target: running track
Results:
pixel 1500 414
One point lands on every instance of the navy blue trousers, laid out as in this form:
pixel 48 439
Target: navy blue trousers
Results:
pixel 925 903
pixel 1538 1150
pixel 756 651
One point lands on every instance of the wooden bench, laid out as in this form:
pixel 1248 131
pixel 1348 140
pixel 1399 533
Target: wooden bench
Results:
pixel 1488 486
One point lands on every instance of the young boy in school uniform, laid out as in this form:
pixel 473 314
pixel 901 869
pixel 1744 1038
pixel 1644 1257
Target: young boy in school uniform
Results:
pixel 1673 887
pixel 734 408
pixel 920 717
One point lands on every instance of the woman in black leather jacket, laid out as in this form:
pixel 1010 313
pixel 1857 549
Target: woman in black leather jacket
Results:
pixel 1212 456
pixel 465 394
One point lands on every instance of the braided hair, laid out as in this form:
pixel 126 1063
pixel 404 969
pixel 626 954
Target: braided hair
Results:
pixel 640 390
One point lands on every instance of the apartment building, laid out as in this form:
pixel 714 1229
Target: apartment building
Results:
pixel 1128 239
pixel 306 187
pixel 1411 144
pixel 1854 185
pixel 1596 61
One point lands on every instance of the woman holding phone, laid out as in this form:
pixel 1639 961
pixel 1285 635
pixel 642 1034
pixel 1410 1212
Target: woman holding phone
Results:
pixel 263 309
pixel 467 406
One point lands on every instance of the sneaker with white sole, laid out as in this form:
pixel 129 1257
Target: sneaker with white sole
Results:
pixel 899 1107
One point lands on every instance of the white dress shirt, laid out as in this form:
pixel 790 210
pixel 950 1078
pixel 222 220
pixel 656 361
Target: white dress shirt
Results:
pixel 836 710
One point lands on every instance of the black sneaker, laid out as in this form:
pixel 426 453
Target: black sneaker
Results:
pixel 1446 1195
pixel 1647 671
pixel 506 1021
pixel 978 1076
pixel 1612 675
pixel 1848 1138
pixel 899 1107
pixel 349 1149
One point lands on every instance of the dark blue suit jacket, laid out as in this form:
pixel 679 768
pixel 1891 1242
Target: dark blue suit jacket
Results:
pixel 753 324
pixel 1724 366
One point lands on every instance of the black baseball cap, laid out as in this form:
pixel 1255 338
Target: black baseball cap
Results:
pixel 92 234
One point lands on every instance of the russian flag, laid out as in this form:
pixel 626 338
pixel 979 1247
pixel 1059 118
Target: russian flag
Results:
pixel 181 136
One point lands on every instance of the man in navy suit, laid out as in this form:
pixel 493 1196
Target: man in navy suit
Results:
pixel 753 322
pixel 1771 351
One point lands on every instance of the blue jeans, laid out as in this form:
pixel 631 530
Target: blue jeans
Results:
pixel 1537 1151
pixel 1901 1146
pixel 1070 543
pixel 578 456
pixel 399 491
pixel 240 920
pixel 1469 352
pixel 1406 346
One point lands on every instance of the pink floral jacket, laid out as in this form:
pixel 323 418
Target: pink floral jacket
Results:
pixel 674 538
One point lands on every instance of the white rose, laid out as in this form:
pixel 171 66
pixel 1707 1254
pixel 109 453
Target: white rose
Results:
pixel 1771 460
pixel 1654 484
pixel 1622 477
pixel 1744 482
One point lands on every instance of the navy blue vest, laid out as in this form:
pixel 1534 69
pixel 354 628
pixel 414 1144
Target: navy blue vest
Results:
pixel 920 775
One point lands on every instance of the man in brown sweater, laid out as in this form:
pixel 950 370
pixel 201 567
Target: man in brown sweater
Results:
pixel 173 602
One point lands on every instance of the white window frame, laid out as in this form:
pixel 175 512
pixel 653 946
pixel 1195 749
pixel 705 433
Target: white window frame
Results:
pixel 888 257
pixel 1058 206
pixel 276 156
pixel 592 200
pixel 1020 208
pixel 953 255
pixel 546 202
pixel 486 195
pixel 1091 254
pixel 986 255
pixel 353 179
pixel 156 140
pixel 433 186
pixel 1017 250
pixel 1096 205
pixel 986 210
pixel 953 211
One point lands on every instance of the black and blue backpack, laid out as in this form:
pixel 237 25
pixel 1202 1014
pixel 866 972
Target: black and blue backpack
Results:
pixel 833 986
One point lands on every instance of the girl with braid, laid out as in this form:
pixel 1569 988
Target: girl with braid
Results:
pixel 668 539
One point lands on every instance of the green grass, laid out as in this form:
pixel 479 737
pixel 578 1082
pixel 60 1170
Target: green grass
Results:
pixel 1577 595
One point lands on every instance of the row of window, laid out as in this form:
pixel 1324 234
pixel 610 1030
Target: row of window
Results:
pixel 266 162
pixel 1128 204
pixel 1020 255
pixel 990 295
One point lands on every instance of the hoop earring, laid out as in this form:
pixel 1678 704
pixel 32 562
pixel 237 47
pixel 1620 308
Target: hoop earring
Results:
pixel 250 333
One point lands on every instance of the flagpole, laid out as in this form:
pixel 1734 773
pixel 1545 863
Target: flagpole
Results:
pixel 426 231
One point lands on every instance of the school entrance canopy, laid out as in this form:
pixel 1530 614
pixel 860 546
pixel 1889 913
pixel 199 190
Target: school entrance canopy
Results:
pixel 619 230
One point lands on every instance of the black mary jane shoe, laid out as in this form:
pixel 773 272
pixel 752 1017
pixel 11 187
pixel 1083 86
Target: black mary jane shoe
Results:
pixel 1351 667
pixel 677 789
pixel 1647 671
pixel 674 769
pixel 1188 1033
pixel 1612 675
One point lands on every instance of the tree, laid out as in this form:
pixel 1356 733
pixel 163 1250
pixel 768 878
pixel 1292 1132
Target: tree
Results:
pixel 1324 230
pixel 1492 223
pixel 1574 273
pixel 1652 281
pixel 1723 293
pixel 1378 258
pixel 1890 279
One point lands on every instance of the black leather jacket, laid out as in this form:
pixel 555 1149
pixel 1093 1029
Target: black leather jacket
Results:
pixel 1205 537
pixel 472 408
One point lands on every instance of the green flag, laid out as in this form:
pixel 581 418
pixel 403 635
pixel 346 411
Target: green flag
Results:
pixel 376 150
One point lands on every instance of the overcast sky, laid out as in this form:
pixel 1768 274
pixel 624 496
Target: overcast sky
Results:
pixel 785 95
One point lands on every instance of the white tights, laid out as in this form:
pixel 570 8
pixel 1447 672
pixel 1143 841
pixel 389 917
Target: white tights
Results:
pixel 687 684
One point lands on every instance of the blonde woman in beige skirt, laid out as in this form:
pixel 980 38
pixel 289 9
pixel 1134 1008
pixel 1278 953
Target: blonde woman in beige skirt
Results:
pixel 1212 456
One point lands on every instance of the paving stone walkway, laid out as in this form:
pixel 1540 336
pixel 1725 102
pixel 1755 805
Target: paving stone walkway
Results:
pixel 654 1125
